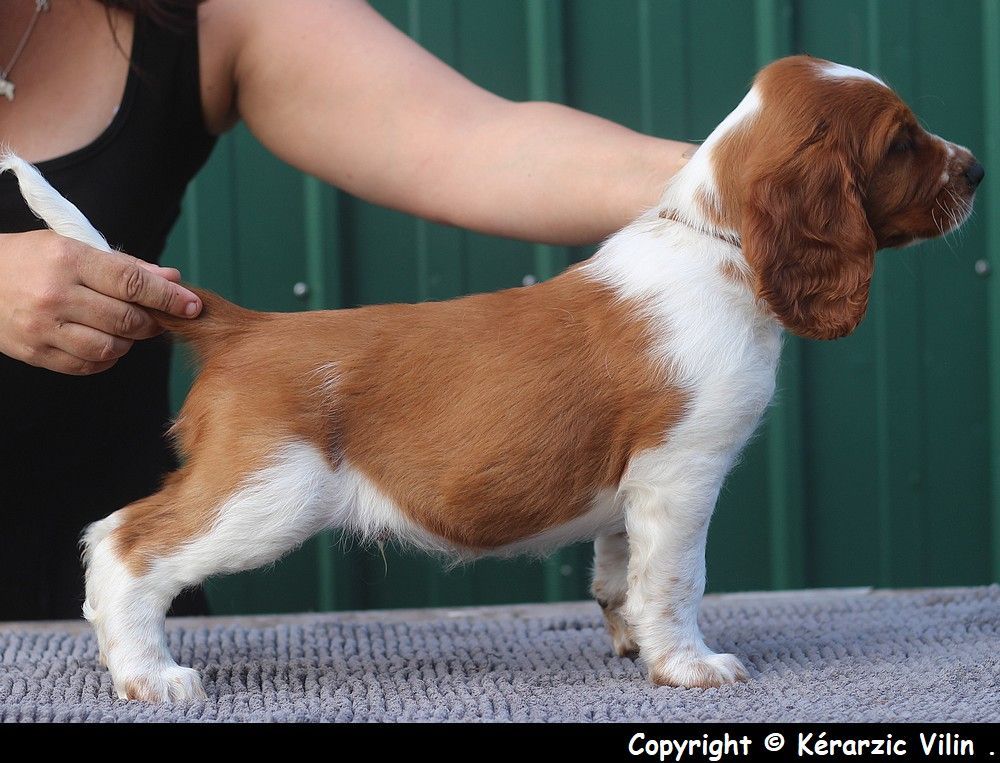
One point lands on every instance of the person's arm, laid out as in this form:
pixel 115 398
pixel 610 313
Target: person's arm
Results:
pixel 334 89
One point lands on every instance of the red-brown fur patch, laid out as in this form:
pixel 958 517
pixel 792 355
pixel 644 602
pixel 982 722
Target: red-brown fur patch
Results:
pixel 539 401
pixel 486 419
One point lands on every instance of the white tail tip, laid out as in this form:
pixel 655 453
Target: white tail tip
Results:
pixel 49 205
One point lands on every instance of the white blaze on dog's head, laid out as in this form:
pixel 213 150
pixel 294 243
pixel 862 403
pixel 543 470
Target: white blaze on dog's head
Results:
pixel 840 71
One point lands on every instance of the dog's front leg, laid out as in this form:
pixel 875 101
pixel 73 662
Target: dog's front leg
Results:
pixel 667 527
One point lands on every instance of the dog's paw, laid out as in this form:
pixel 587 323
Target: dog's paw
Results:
pixel 624 645
pixel 701 671
pixel 171 684
pixel 621 634
pixel 90 615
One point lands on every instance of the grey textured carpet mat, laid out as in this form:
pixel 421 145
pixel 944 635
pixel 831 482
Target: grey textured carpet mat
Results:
pixel 813 656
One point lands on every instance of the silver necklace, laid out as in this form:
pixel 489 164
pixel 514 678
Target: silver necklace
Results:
pixel 6 86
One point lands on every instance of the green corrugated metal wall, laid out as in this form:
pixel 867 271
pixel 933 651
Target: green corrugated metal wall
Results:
pixel 875 464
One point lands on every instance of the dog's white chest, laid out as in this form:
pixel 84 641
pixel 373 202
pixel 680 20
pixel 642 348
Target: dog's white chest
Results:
pixel 713 338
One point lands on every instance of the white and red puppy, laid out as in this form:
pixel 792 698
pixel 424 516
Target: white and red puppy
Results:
pixel 608 403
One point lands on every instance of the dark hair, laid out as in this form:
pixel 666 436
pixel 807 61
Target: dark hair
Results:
pixel 164 12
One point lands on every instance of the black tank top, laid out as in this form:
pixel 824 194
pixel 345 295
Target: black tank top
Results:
pixel 74 449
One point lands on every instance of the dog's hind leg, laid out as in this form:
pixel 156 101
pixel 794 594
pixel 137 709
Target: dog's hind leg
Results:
pixel 127 603
pixel 141 557
pixel 610 588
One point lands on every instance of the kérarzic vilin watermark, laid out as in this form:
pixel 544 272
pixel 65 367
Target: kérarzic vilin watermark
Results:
pixel 804 744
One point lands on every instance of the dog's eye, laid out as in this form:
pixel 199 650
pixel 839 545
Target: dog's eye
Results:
pixel 901 146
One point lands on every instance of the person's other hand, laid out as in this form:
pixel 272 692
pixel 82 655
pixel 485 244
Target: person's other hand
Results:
pixel 73 309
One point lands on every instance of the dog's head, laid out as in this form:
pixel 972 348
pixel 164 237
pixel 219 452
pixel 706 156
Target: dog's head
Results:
pixel 818 167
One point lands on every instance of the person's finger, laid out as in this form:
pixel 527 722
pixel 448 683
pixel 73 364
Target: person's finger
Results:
pixel 121 276
pixel 112 316
pixel 171 274
pixel 55 359
pixel 89 344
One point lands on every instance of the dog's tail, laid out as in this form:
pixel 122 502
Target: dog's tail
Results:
pixel 57 212
pixel 219 320
pixel 217 325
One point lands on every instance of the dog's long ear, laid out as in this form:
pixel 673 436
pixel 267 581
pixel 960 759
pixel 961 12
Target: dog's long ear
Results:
pixel 806 236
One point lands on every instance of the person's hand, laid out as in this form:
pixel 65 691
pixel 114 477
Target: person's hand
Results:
pixel 70 308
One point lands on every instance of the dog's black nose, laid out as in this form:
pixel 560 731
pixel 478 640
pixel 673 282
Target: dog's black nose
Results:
pixel 974 174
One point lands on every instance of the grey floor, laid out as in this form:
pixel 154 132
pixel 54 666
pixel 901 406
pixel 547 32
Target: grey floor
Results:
pixel 834 655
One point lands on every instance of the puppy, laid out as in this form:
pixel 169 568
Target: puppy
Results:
pixel 607 403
